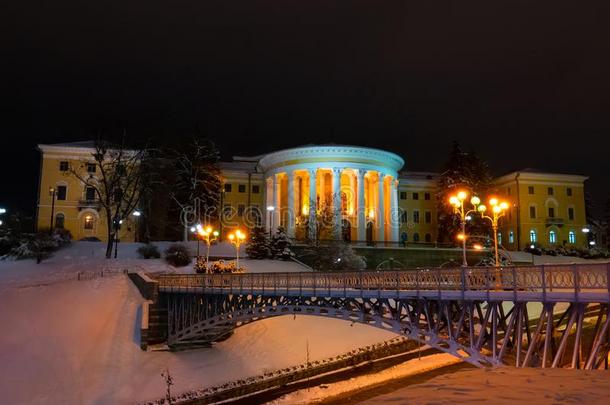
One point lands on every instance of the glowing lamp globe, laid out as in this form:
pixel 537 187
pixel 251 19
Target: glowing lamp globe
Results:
pixel 462 195
pixel 475 200
pixel 493 201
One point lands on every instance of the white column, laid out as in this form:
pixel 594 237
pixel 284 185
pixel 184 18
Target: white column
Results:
pixel 394 217
pixel 268 202
pixel 312 204
pixel 337 202
pixel 290 208
pixel 380 209
pixel 322 187
pixel 360 207
pixel 276 202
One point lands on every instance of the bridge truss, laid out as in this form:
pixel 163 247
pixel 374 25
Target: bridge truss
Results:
pixel 547 316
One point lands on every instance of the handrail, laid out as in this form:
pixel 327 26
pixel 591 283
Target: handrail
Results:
pixel 548 278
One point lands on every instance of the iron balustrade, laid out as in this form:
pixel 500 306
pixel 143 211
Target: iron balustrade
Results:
pixel 574 278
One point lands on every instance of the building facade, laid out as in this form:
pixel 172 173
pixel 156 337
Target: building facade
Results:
pixel 65 202
pixel 352 193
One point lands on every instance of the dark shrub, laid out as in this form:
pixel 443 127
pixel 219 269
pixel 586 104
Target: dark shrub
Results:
pixel 91 239
pixel 178 255
pixel 149 251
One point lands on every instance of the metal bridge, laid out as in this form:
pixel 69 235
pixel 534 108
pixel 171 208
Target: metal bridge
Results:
pixel 536 316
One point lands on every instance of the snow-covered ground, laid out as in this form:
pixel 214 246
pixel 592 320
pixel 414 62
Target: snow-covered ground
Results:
pixel 76 342
pixel 506 385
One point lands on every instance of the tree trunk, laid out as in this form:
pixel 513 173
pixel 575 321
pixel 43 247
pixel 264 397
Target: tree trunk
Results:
pixel 109 245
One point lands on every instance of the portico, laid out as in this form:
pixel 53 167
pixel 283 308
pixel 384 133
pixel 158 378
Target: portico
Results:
pixel 333 192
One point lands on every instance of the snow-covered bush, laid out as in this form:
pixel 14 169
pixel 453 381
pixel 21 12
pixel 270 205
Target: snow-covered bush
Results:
pixel 149 251
pixel 201 266
pixel 335 256
pixel 178 255
pixel 220 267
pixel 280 245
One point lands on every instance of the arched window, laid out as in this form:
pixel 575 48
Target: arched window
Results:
pixel 552 237
pixel 59 221
pixel 500 238
pixel 415 237
pixel 572 237
pixel 88 221
pixel 511 237
pixel 533 236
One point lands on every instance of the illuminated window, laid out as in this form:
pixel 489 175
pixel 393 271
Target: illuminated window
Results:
pixel 511 237
pixel 500 238
pixel 552 237
pixel 572 237
pixel 88 221
pixel 533 236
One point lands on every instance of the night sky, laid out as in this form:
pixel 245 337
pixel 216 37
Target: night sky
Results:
pixel 524 82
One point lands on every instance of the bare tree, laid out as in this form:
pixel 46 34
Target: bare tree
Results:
pixel 197 177
pixel 117 182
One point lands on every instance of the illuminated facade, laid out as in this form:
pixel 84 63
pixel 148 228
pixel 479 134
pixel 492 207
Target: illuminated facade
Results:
pixel 64 202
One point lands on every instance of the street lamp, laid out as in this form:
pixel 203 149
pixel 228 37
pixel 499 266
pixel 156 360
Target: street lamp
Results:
pixel 52 193
pixel 498 210
pixel 136 214
pixel 236 239
pixel 457 201
pixel 270 209
pixel 208 235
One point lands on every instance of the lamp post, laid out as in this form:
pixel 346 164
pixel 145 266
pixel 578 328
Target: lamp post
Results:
pixel 457 201
pixel 136 214
pixel 236 239
pixel 498 210
pixel 208 235
pixel 52 193
pixel 270 209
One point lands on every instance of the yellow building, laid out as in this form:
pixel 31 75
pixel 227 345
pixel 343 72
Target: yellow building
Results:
pixel 417 201
pixel 65 202
pixel 546 208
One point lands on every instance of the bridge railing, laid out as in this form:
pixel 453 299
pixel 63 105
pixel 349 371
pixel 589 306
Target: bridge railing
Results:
pixel 547 278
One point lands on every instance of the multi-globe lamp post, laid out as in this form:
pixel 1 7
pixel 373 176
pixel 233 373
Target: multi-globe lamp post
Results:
pixel 236 239
pixel 498 209
pixel 208 235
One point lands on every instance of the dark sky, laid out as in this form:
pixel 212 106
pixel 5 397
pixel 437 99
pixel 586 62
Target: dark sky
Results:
pixel 525 82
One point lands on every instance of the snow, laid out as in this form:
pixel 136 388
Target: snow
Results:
pixel 506 385
pixel 74 342
pixel 406 369
pixel 525 257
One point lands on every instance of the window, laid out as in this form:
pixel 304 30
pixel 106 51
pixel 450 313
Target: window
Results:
pixel 241 188
pixel 91 167
pixel 415 237
pixel 90 194
pixel 511 237
pixel 551 212
pixel 403 195
pixel 404 217
pixel 59 221
pixel 571 214
pixel 416 196
pixel 533 212
pixel 88 221
pixel 530 190
pixel 550 191
pixel 61 193
pixel 427 196
pixel 64 166
pixel 552 237
pixel 569 192
pixel 227 187
pixel 533 236
pixel 256 189
pixel 428 216
pixel 240 209
pixel 428 238
pixel 572 237
pixel 416 217
pixel 500 238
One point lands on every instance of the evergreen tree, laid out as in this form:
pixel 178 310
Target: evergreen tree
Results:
pixel 280 245
pixel 462 171
pixel 259 246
